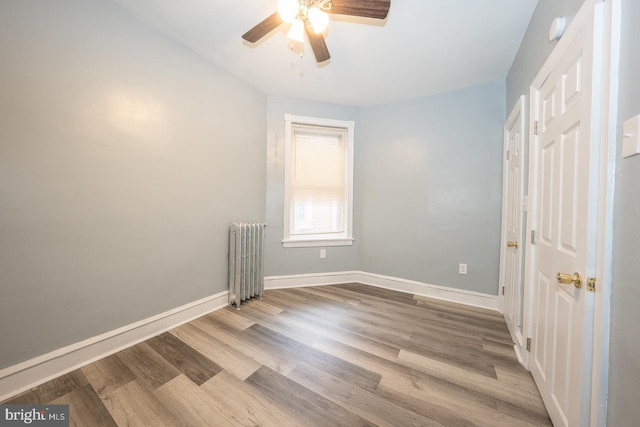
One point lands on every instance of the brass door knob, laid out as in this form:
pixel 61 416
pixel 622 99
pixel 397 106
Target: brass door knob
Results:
pixel 565 279
pixel 512 245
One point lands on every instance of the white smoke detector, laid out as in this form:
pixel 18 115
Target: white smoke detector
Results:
pixel 557 29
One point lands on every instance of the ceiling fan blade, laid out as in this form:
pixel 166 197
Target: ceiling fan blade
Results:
pixel 318 45
pixel 263 28
pixel 365 8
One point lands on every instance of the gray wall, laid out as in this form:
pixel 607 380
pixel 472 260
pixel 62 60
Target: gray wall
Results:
pixel 117 152
pixel 535 47
pixel 431 183
pixel 624 373
pixel 283 261
pixel 624 370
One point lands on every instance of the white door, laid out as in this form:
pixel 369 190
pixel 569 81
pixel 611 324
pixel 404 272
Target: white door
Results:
pixel 564 213
pixel 512 213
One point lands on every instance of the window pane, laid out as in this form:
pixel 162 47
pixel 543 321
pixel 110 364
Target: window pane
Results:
pixel 318 186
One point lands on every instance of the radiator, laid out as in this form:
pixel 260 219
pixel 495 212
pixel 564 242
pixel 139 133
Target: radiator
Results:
pixel 246 260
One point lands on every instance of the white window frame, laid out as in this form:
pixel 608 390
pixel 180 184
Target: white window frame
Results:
pixel 345 238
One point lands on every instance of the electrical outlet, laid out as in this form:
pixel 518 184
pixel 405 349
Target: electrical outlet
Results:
pixel 323 253
pixel 631 137
pixel 462 268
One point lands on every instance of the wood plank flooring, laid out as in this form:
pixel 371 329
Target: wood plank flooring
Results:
pixel 342 355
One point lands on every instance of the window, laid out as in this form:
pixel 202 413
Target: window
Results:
pixel 318 182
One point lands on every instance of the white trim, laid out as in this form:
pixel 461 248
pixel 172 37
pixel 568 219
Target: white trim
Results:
pixel 532 167
pixel 604 262
pixel 314 279
pixel 519 353
pixel 31 373
pixel 312 243
pixel 318 121
pixel 460 296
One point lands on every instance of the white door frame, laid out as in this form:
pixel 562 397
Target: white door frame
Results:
pixel 604 262
pixel 608 131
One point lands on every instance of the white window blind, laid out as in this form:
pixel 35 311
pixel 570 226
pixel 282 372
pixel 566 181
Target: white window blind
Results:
pixel 318 185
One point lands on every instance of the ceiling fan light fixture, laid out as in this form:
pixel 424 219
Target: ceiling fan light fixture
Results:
pixel 319 19
pixel 288 10
pixel 310 17
pixel 296 32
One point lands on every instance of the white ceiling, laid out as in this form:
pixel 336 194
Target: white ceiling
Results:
pixel 424 46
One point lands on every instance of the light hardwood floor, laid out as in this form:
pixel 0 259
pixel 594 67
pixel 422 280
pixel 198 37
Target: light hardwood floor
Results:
pixel 343 355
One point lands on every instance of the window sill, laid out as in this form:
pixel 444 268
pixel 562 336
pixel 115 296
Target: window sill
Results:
pixel 310 243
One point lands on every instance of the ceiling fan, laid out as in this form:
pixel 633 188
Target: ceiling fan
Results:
pixel 312 16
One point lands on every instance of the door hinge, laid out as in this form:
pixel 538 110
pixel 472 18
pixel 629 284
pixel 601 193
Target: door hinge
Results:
pixel 528 344
pixel 591 284
pixel 533 237
pixel 536 131
pixel 503 290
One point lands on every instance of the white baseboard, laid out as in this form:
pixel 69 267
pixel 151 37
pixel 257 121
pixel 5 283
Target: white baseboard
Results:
pixel 516 348
pixel 314 279
pixel 460 296
pixel 31 373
